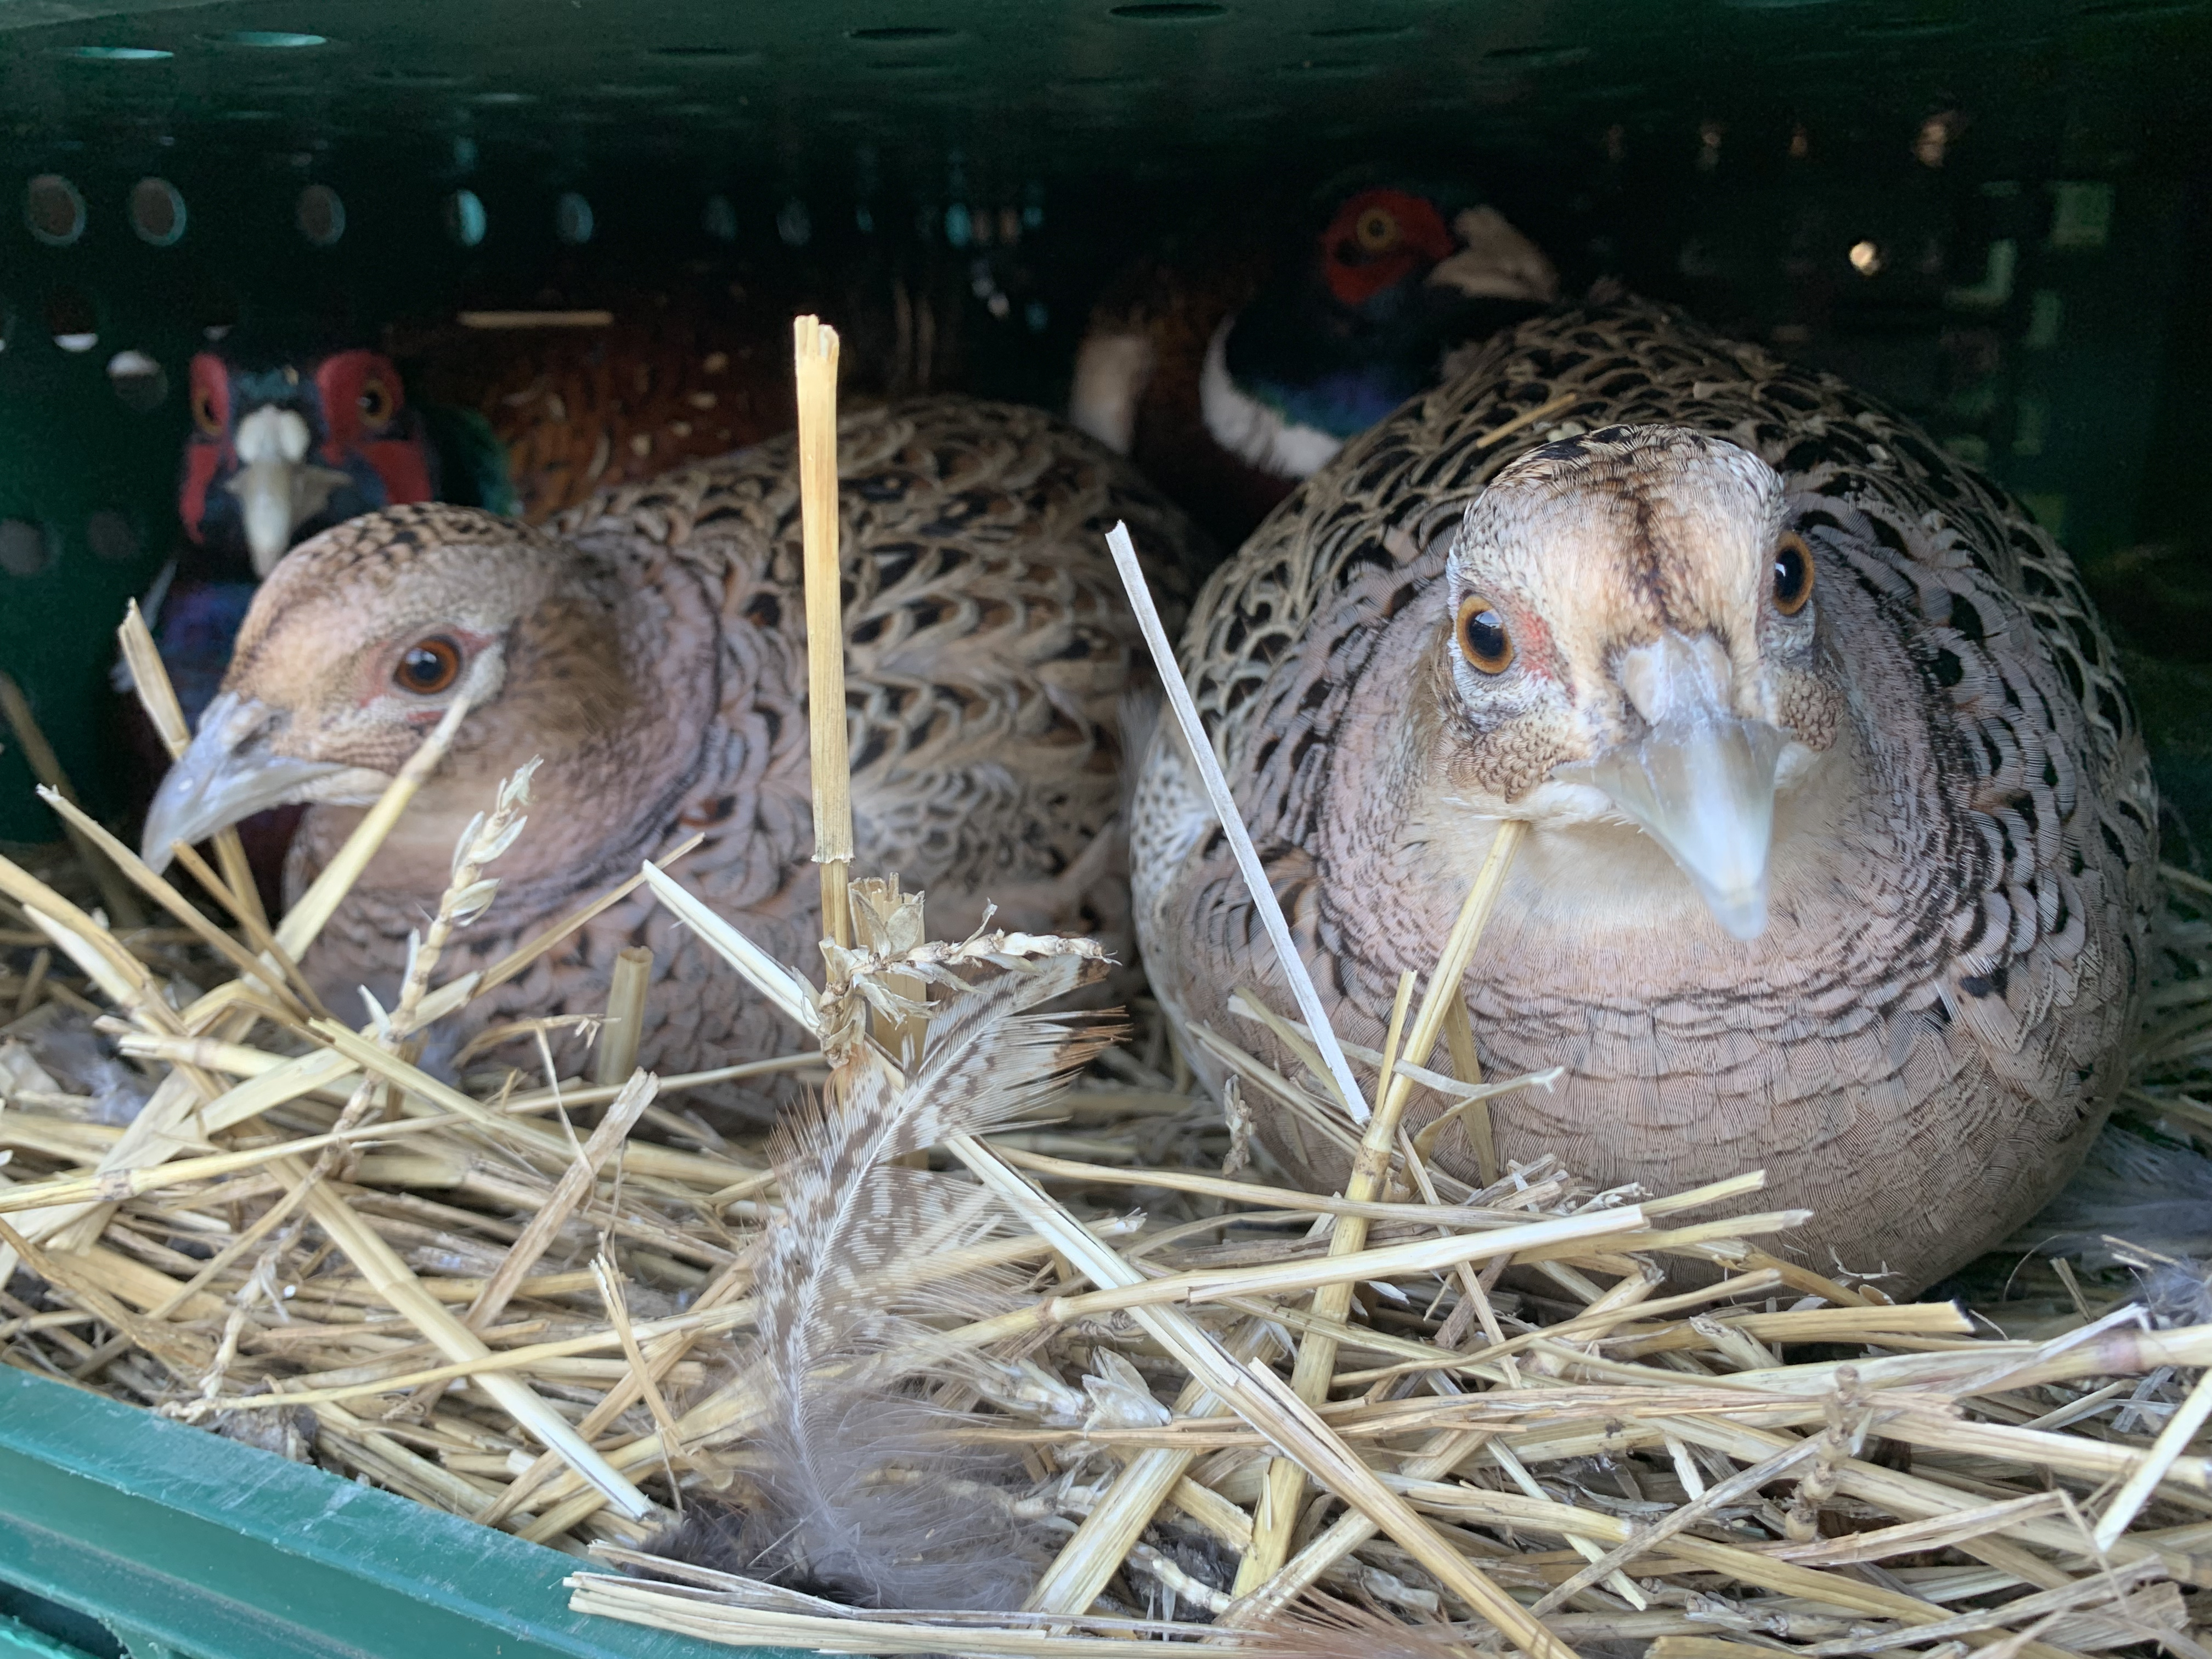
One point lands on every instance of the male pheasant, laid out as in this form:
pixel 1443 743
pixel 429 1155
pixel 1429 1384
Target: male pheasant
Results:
pixel 650 644
pixel 1840 830
pixel 1233 373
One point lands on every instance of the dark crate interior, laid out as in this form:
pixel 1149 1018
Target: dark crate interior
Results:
pixel 1991 215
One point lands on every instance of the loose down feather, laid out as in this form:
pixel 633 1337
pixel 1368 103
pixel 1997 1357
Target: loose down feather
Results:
pixel 860 1495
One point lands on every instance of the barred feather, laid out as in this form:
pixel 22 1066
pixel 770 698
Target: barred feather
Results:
pixel 861 1496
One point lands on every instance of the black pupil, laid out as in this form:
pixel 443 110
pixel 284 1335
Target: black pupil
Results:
pixel 1486 634
pixel 424 667
pixel 1789 574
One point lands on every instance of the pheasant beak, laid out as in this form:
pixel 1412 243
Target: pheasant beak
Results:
pixel 277 492
pixel 229 772
pixel 1700 780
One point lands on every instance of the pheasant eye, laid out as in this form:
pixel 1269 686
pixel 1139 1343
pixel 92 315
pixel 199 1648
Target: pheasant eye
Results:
pixel 1483 640
pixel 428 666
pixel 376 403
pixel 206 415
pixel 1793 576
pixel 1376 231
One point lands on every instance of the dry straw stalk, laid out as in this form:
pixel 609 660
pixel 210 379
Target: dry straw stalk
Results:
pixel 815 353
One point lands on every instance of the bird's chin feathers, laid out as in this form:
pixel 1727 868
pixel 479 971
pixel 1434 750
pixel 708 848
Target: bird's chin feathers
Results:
pixel 357 785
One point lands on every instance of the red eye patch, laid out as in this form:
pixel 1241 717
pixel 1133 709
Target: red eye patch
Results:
pixel 362 395
pixel 363 399
pixel 1379 238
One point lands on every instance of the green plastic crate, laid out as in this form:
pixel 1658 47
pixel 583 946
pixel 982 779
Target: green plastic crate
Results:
pixel 115 1523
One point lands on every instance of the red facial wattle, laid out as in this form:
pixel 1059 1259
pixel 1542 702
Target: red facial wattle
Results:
pixel 403 463
pixel 204 451
pixel 1417 240
pixel 363 404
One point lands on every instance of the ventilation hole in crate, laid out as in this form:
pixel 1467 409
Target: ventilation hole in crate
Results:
pixel 573 220
pixel 72 320
pixel 1538 57
pixel 1169 11
pixel 1927 28
pixel 110 537
pixel 1866 259
pixel 720 55
pixel 900 32
pixel 320 215
pixel 24 548
pixel 795 225
pixel 420 80
pixel 465 218
pixel 1362 31
pixel 113 54
pixel 53 210
pixel 273 39
pixel 140 382
pixel 157 212
pixel 718 219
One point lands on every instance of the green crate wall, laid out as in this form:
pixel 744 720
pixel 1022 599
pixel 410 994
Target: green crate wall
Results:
pixel 84 509
pixel 1727 154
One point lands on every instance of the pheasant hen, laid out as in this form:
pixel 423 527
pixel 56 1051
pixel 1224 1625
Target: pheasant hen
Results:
pixel 1840 834
pixel 650 645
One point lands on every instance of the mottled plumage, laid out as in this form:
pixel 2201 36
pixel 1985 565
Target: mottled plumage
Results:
pixel 651 645
pixel 677 374
pixel 1927 1030
pixel 580 410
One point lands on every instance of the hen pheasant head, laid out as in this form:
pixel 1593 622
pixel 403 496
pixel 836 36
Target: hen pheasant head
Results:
pixel 1634 632
pixel 364 636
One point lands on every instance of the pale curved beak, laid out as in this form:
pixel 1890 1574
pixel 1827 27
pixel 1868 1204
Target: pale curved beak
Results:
pixel 277 491
pixel 1700 780
pixel 229 772
pixel 1495 262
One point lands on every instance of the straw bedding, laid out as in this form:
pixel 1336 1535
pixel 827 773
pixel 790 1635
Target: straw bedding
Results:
pixel 1009 1344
